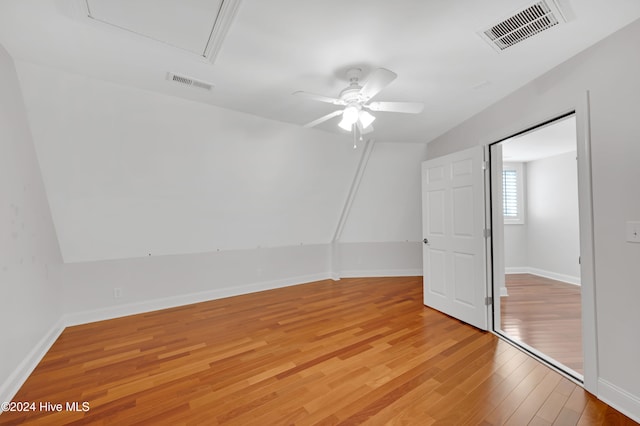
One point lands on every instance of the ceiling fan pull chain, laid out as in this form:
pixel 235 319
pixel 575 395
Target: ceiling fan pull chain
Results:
pixel 355 135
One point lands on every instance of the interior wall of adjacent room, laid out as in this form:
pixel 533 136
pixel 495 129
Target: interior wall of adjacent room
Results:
pixel 29 253
pixel 515 243
pixel 548 242
pixel 609 71
pixel 553 235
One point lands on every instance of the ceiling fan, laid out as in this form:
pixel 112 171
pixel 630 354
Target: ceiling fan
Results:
pixel 356 100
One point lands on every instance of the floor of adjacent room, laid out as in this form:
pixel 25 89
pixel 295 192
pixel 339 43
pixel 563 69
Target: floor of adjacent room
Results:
pixel 545 314
pixel 355 351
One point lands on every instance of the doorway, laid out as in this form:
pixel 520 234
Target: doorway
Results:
pixel 535 219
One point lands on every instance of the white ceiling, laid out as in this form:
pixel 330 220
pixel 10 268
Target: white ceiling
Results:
pixel 187 27
pixel 274 48
pixel 553 139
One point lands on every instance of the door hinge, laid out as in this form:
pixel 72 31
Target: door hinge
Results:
pixel 486 232
pixel 488 301
pixel 485 165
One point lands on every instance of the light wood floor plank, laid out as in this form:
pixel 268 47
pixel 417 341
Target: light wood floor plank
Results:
pixel 546 315
pixel 357 351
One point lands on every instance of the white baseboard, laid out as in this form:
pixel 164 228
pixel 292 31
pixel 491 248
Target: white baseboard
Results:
pixel 621 400
pixel 569 279
pixel 111 312
pixel 516 270
pixel 381 273
pixel 14 382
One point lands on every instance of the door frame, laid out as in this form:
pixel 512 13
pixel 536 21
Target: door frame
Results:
pixel 587 264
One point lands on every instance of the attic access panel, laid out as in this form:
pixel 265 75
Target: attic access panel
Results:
pixel 197 26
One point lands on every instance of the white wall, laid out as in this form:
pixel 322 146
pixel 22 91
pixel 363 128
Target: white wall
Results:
pixel 383 232
pixel 553 234
pixel 381 259
pixel 174 202
pixel 548 243
pixel 131 173
pixel 516 257
pixel 388 204
pixel 609 70
pixel 29 254
pixel 382 235
pixel 160 282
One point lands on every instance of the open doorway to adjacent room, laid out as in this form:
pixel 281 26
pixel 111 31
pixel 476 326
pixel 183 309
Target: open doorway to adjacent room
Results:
pixel 536 243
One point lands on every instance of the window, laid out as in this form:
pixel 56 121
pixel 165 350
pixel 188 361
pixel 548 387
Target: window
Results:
pixel 512 204
pixel 510 193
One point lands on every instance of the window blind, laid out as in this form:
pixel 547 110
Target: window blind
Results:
pixel 510 193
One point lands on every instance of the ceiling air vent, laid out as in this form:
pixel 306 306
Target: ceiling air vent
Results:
pixel 188 81
pixel 525 23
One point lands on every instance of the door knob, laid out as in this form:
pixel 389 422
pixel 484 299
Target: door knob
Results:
pixel 425 241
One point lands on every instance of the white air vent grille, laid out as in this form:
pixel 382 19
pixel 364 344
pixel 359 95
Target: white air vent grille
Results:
pixel 188 81
pixel 528 22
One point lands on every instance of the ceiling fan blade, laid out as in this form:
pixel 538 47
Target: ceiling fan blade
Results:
pixel 320 98
pixel 378 80
pixel 324 118
pixel 406 107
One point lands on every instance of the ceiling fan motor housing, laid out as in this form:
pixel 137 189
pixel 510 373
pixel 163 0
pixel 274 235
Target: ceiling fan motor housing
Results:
pixel 351 94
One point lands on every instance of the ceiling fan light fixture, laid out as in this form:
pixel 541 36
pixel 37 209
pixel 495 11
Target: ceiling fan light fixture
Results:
pixel 350 114
pixel 345 124
pixel 349 117
pixel 365 118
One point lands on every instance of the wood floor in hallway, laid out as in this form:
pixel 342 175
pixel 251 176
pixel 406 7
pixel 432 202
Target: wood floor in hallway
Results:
pixel 356 351
pixel 546 315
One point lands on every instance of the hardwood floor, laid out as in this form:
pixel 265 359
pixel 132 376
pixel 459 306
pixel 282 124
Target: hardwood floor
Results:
pixel 546 315
pixel 357 351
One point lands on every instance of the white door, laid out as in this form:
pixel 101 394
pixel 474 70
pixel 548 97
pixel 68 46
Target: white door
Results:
pixel 453 231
